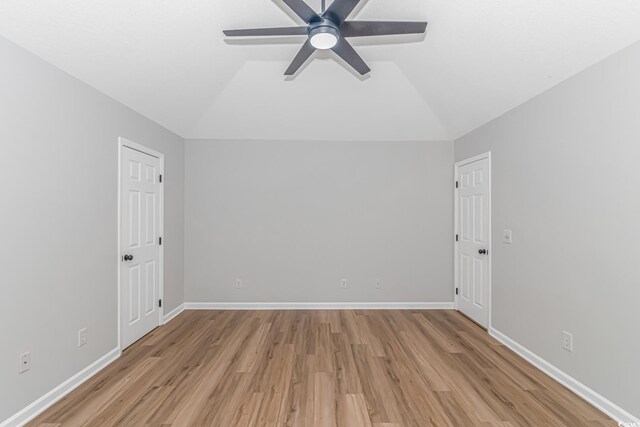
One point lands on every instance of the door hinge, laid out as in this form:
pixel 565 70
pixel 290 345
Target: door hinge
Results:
pixel 160 240
pixel 456 184
pixel 160 178
pixel 457 291
pixel 456 237
pixel 159 303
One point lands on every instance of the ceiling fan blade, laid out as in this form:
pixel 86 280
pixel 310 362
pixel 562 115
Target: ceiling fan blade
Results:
pixel 340 10
pixel 303 10
pixel 284 31
pixel 348 53
pixel 381 28
pixel 300 58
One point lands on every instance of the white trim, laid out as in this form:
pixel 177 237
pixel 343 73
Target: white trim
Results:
pixel 36 408
pixel 474 159
pixel 172 314
pixel 123 142
pixel 598 401
pixel 456 230
pixel 318 305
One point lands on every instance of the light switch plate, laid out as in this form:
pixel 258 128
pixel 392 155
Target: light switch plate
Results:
pixel 507 236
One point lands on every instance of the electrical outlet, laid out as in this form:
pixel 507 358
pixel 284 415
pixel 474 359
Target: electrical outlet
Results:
pixel 567 341
pixel 238 283
pixel 378 284
pixel 507 236
pixel 82 337
pixel 25 362
pixel 343 283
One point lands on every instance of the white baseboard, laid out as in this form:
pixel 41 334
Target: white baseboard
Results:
pixel 173 313
pixel 598 401
pixel 318 306
pixel 36 408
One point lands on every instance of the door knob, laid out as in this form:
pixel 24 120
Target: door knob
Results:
pixel 128 257
pixel 482 251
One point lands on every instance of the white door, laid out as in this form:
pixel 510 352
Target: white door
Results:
pixel 140 213
pixel 473 238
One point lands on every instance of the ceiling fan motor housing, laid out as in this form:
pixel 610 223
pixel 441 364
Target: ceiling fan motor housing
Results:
pixel 324 34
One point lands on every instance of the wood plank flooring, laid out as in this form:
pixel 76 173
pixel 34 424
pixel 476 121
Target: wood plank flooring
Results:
pixel 320 368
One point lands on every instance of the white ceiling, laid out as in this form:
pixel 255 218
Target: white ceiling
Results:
pixel 168 60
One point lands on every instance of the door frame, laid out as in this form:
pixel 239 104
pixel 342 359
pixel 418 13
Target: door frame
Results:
pixel 122 143
pixel 456 231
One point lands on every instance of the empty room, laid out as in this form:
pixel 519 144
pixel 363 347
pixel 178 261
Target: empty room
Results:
pixel 319 213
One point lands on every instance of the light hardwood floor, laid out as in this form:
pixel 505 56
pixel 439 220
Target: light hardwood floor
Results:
pixel 320 368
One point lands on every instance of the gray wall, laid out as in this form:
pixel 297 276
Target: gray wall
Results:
pixel 565 175
pixel 58 222
pixel 291 219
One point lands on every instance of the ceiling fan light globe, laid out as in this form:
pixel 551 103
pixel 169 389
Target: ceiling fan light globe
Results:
pixel 324 41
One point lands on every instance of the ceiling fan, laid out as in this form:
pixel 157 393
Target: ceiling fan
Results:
pixel 329 30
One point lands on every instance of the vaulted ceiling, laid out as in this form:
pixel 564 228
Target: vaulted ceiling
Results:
pixel 169 60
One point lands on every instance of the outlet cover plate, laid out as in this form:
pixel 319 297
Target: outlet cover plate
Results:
pixel 567 341
pixel 25 362
pixel 82 337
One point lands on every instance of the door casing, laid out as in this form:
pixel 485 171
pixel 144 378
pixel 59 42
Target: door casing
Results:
pixel 123 142
pixel 456 274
